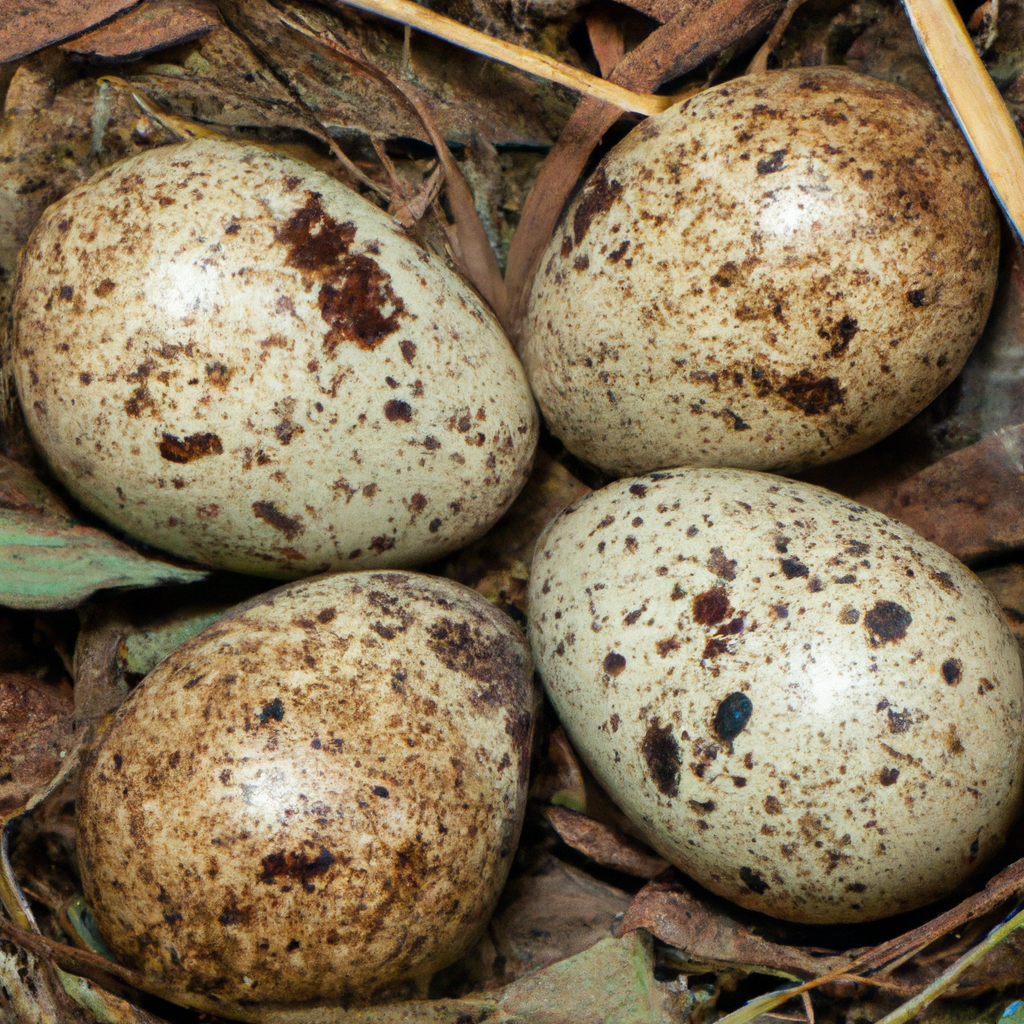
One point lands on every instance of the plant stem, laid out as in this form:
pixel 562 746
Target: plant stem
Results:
pixel 520 57
pixel 914 1006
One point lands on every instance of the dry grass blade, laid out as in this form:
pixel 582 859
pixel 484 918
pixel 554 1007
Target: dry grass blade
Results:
pixel 80 962
pixel 606 37
pixel 471 247
pixel 1007 884
pixel 759 64
pixel 184 129
pixel 974 100
pixel 948 978
pixel 409 13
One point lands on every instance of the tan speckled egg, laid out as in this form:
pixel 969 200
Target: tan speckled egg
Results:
pixel 799 701
pixel 776 273
pixel 316 798
pixel 235 358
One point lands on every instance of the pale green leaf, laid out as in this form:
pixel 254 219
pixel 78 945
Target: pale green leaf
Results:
pixel 49 561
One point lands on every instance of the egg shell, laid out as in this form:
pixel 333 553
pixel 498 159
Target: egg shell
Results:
pixel 775 273
pixel 800 702
pixel 316 798
pixel 233 357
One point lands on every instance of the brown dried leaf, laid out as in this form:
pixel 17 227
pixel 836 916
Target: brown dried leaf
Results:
pixel 703 29
pixel 1007 583
pixel 552 912
pixel 971 502
pixel 605 844
pixel 467 94
pixel 705 931
pixel 607 39
pixel 36 726
pixel 27 27
pixel 559 780
pixel 153 26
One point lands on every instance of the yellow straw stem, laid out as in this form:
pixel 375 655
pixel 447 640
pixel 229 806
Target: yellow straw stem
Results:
pixel 974 100
pixel 409 13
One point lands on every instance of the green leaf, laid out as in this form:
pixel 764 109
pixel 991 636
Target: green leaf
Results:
pixel 50 561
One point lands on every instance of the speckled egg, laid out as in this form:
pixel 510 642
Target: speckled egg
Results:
pixel 799 701
pixel 317 798
pixel 235 358
pixel 776 273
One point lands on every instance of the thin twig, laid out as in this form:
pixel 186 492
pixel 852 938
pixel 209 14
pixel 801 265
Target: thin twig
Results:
pixel 760 62
pixel 422 18
pixel 975 101
pixel 467 238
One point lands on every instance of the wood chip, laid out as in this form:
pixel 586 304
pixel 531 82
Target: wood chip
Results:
pixel 27 27
pixel 971 503
pixel 151 27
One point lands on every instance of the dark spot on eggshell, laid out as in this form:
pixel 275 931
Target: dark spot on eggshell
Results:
pixel 793 568
pixel 398 411
pixel 711 607
pixel 273 710
pixel 721 566
pixel 886 622
pixel 356 299
pixel 297 865
pixel 614 663
pixel 732 715
pixel 599 195
pixel 952 671
pixel 660 751
pixel 812 395
pixel 290 526
pixel 772 164
pixel 753 881
pixel 480 652
pixel 888 776
pixel 185 450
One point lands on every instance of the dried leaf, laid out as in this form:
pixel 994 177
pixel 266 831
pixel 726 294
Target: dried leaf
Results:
pixel 1007 584
pixel 605 844
pixel 48 560
pixel 468 95
pixel 607 40
pixel 707 933
pixel 153 26
pixel 971 502
pixel 123 639
pixel 550 912
pixel 611 983
pixel 559 780
pixel 36 724
pixel 498 564
pixel 27 27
